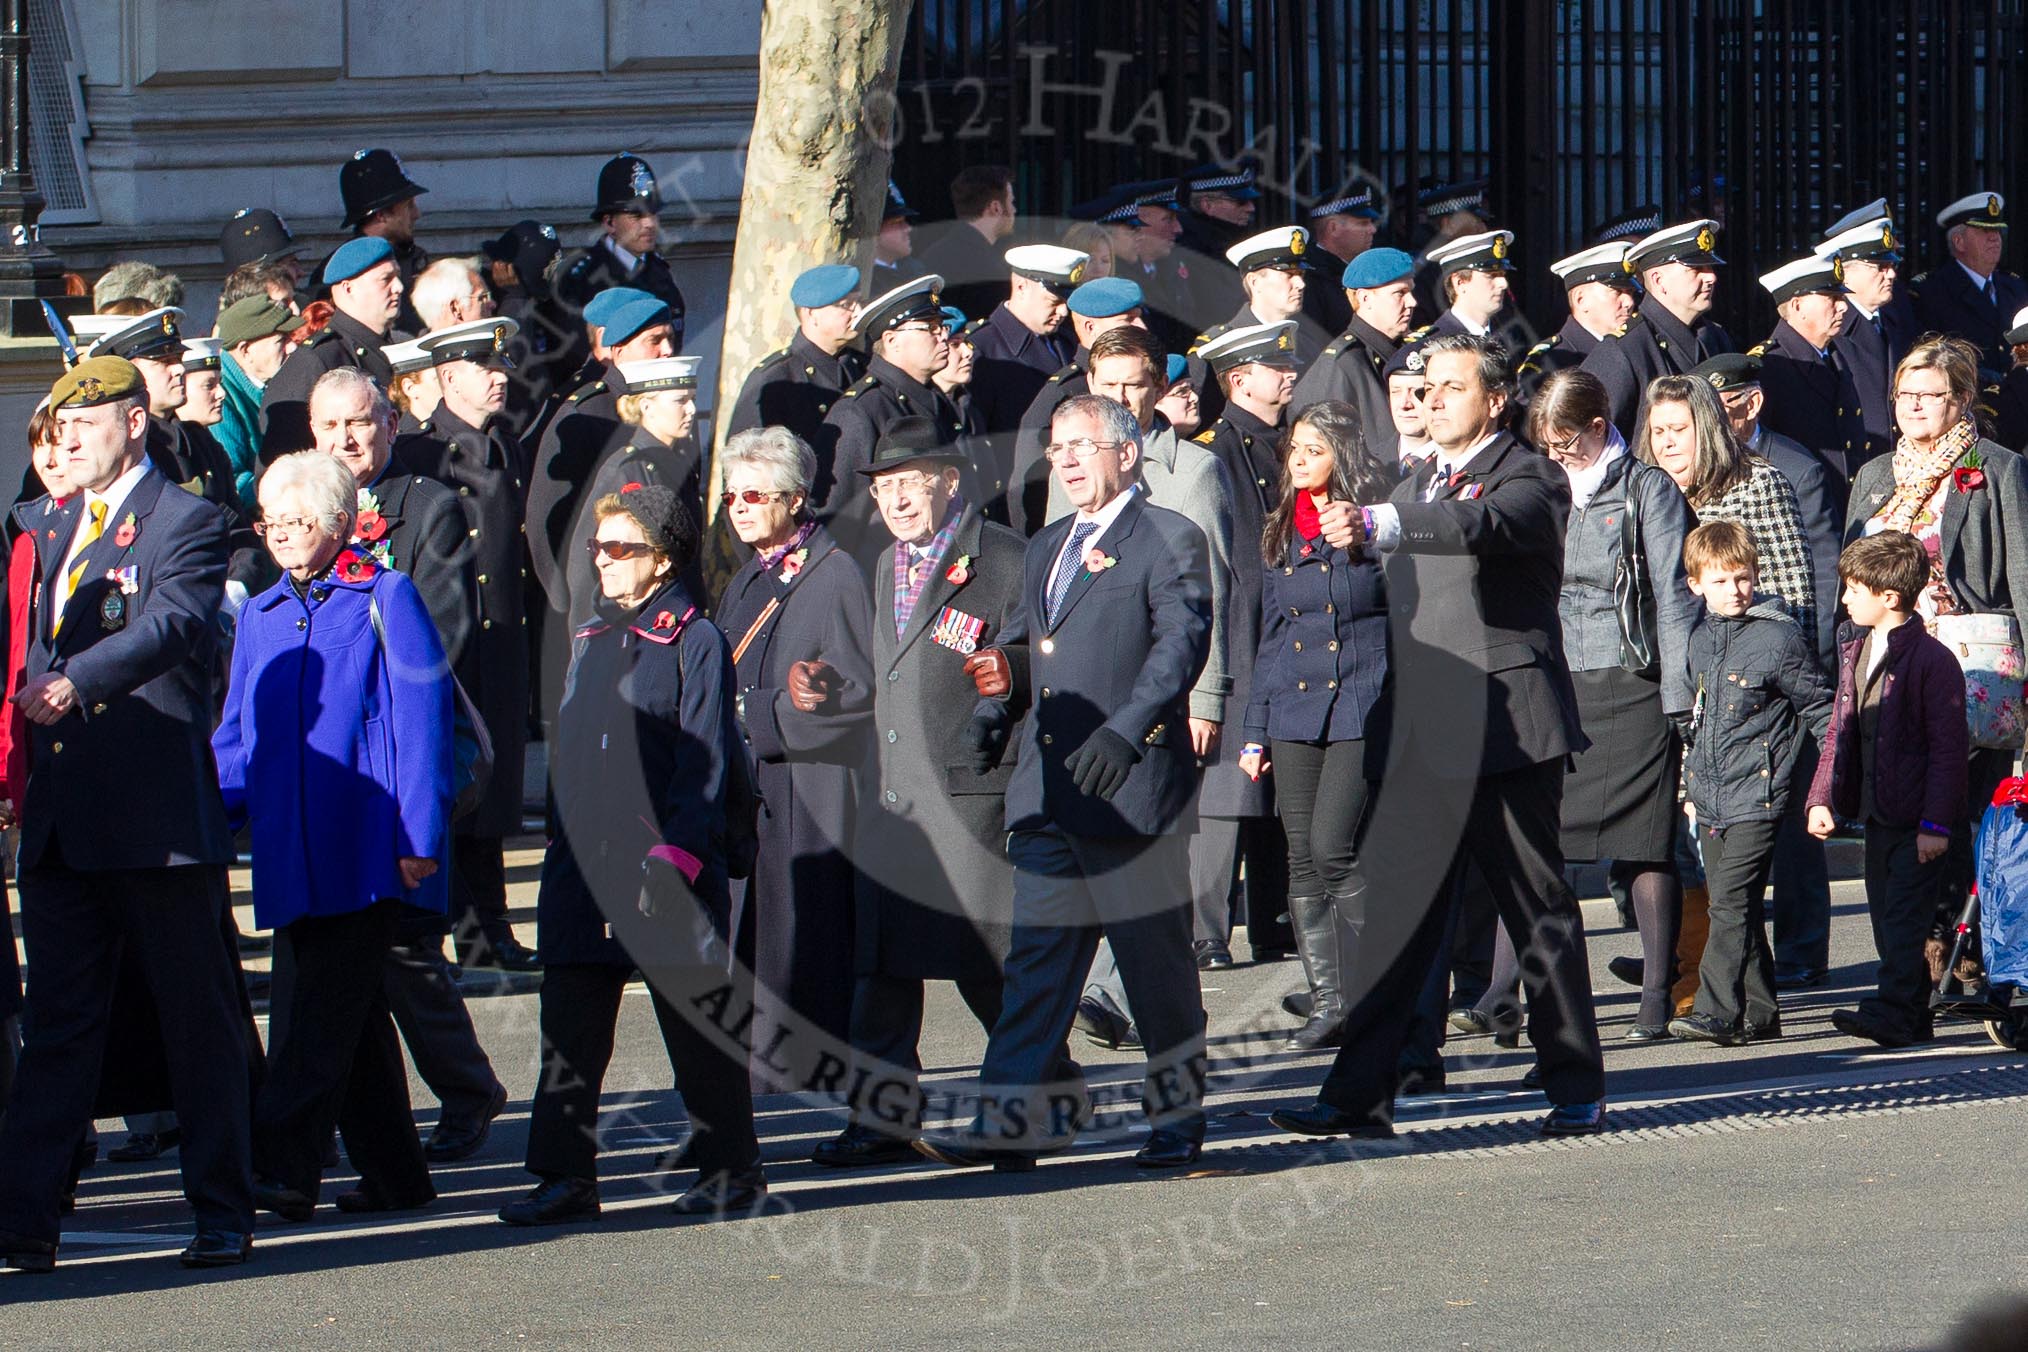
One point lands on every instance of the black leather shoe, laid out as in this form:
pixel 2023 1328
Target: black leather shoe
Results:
pixel 366 1198
pixel 285 1202
pixel 1646 1032
pixel 1575 1119
pixel 1168 1149
pixel 1762 1032
pixel 1421 1082
pixel 26 1255
pixel 1105 1025
pixel 503 953
pixel 1212 955
pixel 453 1140
pixel 1633 971
pixel 553 1202
pixel 1321 1119
pixel 678 1157
pixel 968 1154
pixel 1860 1024
pixel 1299 1003
pixel 141 1146
pixel 1695 1027
pixel 1532 1077
pixel 861 1147
pixel 217 1248
pixel 1465 1019
pixel 724 1195
pixel 1273 953
pixel 1798 978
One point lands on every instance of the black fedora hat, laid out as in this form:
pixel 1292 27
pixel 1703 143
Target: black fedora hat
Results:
pixel 909 439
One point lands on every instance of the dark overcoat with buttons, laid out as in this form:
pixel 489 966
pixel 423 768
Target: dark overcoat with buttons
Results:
pixel 585 430
pixel 1815 402
pixel 794 388
pixel 795 919
pixel 1027 470
pixel 1946 300
pixel 936 891
pixel 1653 343
pixel 285 402
pixel 598 268
pixel 1249 449
pixel 426 540
pixel 1349 369
pixel 1321 673
pixel 1126 648
pixel 876 401
pixel 488 471
pixel 1872 352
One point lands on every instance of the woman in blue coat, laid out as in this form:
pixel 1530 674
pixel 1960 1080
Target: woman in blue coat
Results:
pixel 646 773
pixel 1316 717
pixel 335 747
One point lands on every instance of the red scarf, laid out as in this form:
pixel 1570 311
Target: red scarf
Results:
pixel 1307 525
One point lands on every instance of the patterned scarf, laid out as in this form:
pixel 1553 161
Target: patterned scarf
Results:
pixel 1917 474
pixel 769 558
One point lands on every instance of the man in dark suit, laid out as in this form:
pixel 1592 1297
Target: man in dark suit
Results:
pixel 1485 724
pixel 1879 322
pixel 1969 295
pixel 1670 331
pixel 1811 396
pixel 1098 807
pixel 795 386
pixel 124 844
pixel 936 895
pixel 416 526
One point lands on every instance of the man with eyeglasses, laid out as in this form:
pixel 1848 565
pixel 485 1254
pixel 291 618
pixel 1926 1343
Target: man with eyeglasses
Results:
pixel 469 452
pixel 1099 804
pixel 905 330
pixel 936 894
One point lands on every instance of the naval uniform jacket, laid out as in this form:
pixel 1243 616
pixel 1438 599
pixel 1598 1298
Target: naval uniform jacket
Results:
pixel 1349 369
pixel 285 402
pixel 597 269
pixel 876 401
pixel 1812 400
pixel 1653 343
pixel 1013 364
pixel 1872 348
pixel 585 429
pixel 936 893
pixel 487 471
pixel 795 388
pixel 1948 301
pixel 1028 474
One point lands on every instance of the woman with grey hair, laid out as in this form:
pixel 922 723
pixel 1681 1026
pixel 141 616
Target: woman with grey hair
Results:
pixel 799 618
pixel 335 748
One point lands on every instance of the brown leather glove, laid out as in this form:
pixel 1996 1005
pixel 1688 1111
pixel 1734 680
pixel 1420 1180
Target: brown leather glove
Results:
pixel 991 673
pixel 810 685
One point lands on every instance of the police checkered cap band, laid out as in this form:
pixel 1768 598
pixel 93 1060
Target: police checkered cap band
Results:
pixel 1350 202
pixel 1218 182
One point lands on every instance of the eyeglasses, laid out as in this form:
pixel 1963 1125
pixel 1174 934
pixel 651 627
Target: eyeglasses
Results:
pixel 1917 398
pixel 752 497
pixel 1064 452
pixel 1563 447
pixel 901 483
pixel 617 549
pixel 937 329
pixel 286 525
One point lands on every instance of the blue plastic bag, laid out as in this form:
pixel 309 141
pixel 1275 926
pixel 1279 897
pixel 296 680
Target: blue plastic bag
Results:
pixel 2002 864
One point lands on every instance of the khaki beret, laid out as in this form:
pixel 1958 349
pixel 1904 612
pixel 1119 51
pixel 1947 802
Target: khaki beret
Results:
pixel 252 317
pixel 96 380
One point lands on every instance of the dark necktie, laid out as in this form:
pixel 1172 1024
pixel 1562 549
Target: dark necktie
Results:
pixel 1066 569
pixel 1992 292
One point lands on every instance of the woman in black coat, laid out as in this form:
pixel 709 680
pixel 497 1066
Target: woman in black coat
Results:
pixel 1316 717
pixel 645 765
pixel 799 619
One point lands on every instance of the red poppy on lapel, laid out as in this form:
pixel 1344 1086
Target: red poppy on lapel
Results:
pixel 630 488
pixel 959 573
pixel 129 528
pixel 665 620
pixel 1969 480
pixel 370 526
pixel 1457 477
pixel 354 566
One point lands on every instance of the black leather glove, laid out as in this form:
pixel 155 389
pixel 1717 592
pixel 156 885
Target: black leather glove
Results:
pixel 1682 724
pixel 985 738
pixel 664 889
pixel 1102 764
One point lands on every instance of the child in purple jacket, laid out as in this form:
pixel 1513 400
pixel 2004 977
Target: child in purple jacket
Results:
pixel 1895 760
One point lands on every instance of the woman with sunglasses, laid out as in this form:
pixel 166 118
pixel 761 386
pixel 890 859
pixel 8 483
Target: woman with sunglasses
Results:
pixel 799 616
pixel 646 773
pixel 659 413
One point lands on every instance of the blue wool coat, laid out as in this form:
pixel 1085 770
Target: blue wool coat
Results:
pixel 338 753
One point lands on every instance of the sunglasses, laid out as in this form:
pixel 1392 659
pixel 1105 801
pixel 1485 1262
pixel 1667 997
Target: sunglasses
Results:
pixel 752 497
pixel 618 549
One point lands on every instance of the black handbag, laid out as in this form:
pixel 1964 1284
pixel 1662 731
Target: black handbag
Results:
pixel 1634 593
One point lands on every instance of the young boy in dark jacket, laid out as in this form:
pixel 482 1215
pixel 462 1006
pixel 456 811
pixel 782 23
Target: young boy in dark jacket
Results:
pixel 1757 685
pixel 1895 760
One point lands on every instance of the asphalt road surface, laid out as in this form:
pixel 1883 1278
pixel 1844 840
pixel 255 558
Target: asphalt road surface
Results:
pixel 1809 1193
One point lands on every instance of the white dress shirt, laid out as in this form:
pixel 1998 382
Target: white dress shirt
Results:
pixel 1103 518
pixel 1383 522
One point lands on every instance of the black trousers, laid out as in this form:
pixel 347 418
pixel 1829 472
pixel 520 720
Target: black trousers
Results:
pixel 580 1015
pixel 1511 832
pixel 339 1063
pixel 1321 791
pixel 1738 968
pixel 886 1030
pixel 1067 891
pixel 1801 880
pixel 1901 899
pixel 76 925
pixel 478 894
pixel 429 1009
